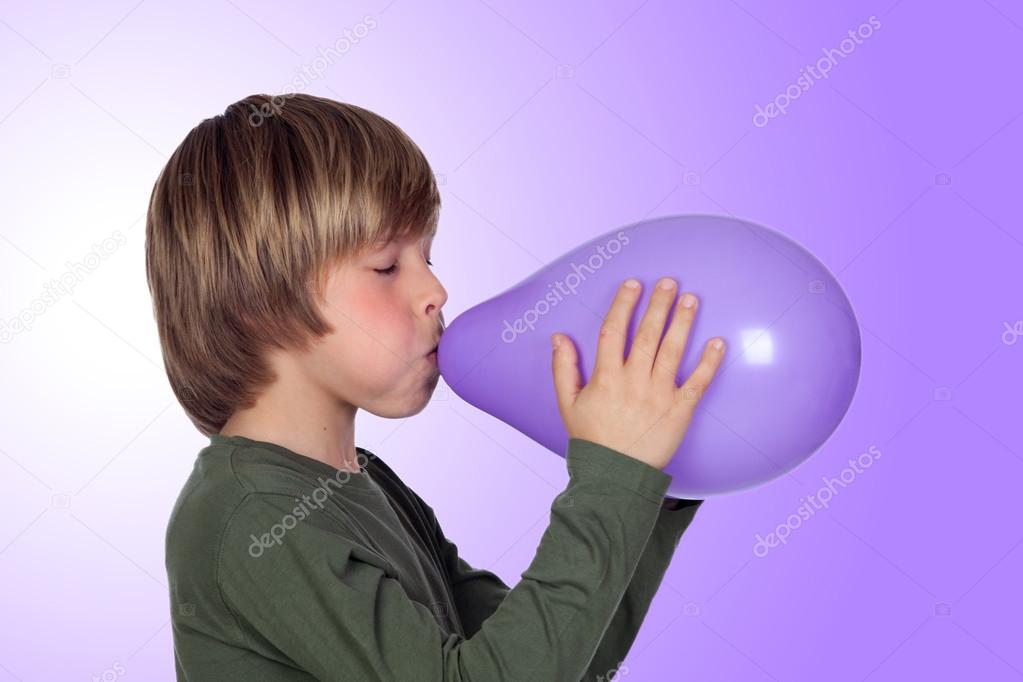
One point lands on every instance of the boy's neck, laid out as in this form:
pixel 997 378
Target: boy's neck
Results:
pixel 302 419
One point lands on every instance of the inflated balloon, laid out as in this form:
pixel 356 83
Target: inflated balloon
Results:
pixel 788 376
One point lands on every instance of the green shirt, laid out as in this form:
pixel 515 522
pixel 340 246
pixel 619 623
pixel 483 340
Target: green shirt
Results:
pixel 282 567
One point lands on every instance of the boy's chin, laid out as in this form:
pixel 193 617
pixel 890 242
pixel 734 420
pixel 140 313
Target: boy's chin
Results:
pixel 413 406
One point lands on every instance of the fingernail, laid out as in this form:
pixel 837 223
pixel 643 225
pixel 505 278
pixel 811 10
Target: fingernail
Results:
pixel 717 344
pixel 632 283
pixel 688 301
pixel 665 284
pixel 556 340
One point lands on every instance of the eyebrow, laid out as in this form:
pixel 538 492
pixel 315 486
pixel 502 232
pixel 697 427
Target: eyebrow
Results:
pixel 378 245
pixel 381 244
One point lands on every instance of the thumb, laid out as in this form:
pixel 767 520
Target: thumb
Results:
pixel 565 367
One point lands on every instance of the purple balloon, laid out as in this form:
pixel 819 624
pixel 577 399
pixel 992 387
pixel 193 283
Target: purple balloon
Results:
pixel 787 379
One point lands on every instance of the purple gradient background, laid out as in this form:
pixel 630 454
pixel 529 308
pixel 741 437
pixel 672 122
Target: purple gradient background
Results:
pixel 901 172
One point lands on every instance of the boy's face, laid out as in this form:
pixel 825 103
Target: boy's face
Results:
pixel 385 308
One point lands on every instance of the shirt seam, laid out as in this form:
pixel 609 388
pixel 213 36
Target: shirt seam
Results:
pixel 216 574
pixel 233 452
pixel 255 494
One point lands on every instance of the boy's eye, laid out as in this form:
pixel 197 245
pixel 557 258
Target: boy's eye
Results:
pixel 387 272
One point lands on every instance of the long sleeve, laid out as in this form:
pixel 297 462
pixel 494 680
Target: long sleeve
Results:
pixel 478 592
pixel 672 522
pixel 335 609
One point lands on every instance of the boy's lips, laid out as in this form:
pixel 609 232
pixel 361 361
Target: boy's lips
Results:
pixel 436 345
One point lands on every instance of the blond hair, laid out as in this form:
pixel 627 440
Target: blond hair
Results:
pixel 244 222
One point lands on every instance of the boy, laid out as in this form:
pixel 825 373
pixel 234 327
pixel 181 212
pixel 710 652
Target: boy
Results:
pixel 287 253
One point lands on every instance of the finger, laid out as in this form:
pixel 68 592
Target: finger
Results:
pixel 565 368
pixel 690 393
pixel 651 327
pixel 611 343
pixel 673 347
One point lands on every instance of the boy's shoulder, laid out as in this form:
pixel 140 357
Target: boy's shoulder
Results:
pixel 233 479
pixel 223 479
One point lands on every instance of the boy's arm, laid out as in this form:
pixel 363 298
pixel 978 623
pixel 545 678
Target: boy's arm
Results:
pixel 478 592
pixel 333 609
pixel 675 516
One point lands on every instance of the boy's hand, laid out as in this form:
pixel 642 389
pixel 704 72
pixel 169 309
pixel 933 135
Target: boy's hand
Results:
pixel 633 406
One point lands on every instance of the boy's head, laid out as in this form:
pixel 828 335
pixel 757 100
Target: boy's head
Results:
pixel 294 238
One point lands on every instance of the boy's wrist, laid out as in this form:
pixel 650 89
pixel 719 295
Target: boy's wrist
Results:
pixel 588 459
